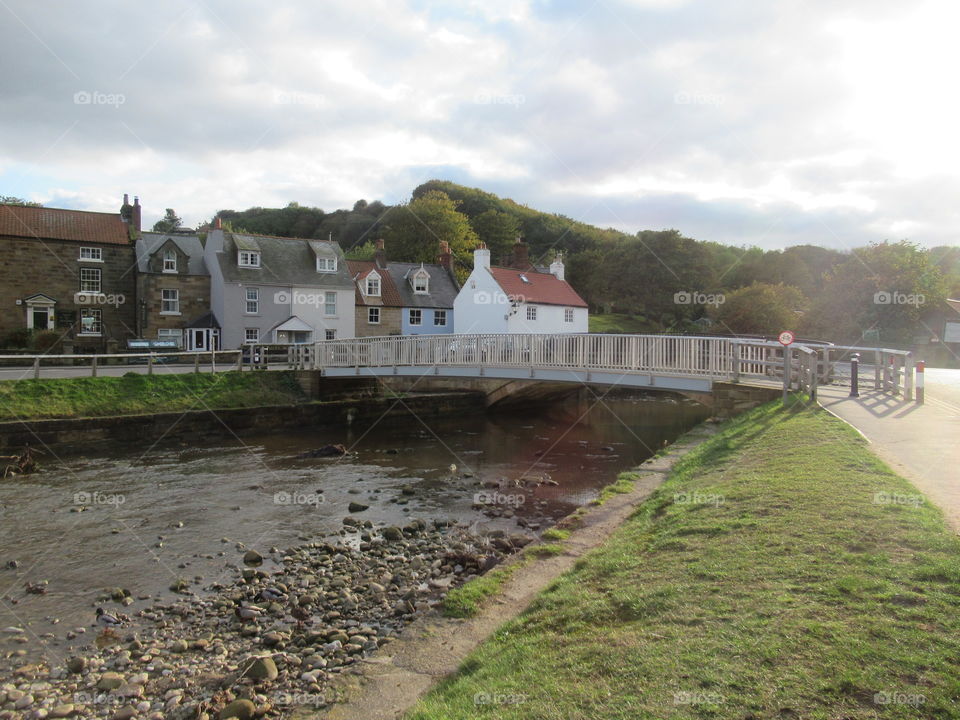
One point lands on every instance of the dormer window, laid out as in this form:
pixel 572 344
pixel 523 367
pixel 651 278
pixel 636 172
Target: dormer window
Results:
pixel 421 282
pixel 169 261
pixel 248 259
pixel 326 264
pixel 373 284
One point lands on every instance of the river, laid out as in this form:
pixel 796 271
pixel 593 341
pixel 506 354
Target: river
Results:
pixel 141 518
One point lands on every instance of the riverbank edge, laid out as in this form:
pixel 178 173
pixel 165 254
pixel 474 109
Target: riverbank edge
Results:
pixel 98 434
pixel 391 681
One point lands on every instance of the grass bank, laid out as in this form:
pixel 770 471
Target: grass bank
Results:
pixel 619 323
pixel 781 571
pixel 134 394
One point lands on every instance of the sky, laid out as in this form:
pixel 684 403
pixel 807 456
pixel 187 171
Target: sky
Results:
pixel 771 123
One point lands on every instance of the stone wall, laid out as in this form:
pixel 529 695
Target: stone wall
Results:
pixel 194 300
pixel 731 399
pixel 389 322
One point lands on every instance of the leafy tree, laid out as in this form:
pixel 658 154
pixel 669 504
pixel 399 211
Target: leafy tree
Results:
pixel 168 223
pixel 362 251
pixel 760 309
pixel 497 229
pixel 11 200
pixel 414 231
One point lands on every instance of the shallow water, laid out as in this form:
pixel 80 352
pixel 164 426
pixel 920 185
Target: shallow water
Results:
pixel 258 492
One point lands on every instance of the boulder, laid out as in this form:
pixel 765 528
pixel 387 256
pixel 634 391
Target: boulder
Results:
pixel 260 668
pixel 357 507
pixel 252 557
pixel 240 709
pixel 110 681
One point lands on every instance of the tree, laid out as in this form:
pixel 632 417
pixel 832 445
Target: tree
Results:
pixel 168 223
pixel 362 251
pixel 497 229
pixel 414 231
pixel 11 200
pixel 759 309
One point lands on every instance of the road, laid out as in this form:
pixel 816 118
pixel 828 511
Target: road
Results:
pixel 918 441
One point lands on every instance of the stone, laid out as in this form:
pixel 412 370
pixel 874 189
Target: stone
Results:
pixel 125 713
pixel 357 507
pixel 392 533
pixel 252 557
pixel 240 709
pixel 260 668
pixel 110 681
pixel 62 711
pixel 179 646
pixel 77 665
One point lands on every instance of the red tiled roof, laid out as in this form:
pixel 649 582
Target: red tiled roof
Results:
pixel 541 288
pixel 59 224
pixel 389 295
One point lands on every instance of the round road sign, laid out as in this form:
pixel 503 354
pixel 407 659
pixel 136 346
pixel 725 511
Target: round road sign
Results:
pixel 786 337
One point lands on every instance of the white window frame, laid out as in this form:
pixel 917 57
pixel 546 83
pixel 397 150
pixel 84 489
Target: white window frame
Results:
pixel 171 334
pixel 98 324
pixel 169 301
pixel 326 264
pixel 329 334
pixel 439 318
pixel 88 285
pixel 568 315
pixel 251 336
pixel 169 260
pixel 531 313
pixel 417 277
pixel 330 303
pixel 372 313
pixel 251 299
pixel 248 258
pixel 373 284
pixel 91 254
pixel 419 316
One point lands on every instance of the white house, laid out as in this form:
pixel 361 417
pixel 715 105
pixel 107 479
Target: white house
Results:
pixel 518 299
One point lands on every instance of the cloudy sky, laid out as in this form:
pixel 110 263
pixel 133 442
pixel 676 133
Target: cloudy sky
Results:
pixel 761 122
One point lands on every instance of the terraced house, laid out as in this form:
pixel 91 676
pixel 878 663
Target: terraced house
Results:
pixel 276 290
pixel 69 272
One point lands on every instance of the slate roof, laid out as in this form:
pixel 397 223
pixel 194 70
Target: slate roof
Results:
pixel 541 288
pixel 189 245
pixel 207 320
pixel 59 224
pixel 389 297
pixel 283 261
pixel 443 287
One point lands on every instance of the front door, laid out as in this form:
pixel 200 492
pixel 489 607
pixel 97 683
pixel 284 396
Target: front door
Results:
pixel 41 318
pixel 199 340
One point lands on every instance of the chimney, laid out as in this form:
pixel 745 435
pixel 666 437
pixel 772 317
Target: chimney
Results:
pixel 380 254
pixel 556 267
pixel 521 257
pixel 481 257
pixel 217 223
pixel 136 215
pixel 126 210
pixel 444 258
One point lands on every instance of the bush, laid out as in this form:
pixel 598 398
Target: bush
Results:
pixel 18 339
pixel 44 341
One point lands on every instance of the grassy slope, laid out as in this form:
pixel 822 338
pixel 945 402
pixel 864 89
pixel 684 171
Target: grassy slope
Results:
pixel 91 397
pixel 791 593
pixel 618 323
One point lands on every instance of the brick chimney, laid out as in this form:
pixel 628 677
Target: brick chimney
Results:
pixel 445 258
pixel 136 214
pixel 126 210
pixel 380 254
pixel 217 223
pixel 521 256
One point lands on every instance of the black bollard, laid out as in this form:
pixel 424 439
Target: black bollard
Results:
pixel 855 375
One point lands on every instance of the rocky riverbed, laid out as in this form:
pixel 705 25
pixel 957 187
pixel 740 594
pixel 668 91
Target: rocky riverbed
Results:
pixel 269 640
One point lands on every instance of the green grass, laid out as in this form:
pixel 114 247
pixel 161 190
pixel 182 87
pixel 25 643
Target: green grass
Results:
pixel 617 323
pixel 465 601
pixel 555 534
pixel 762 580
pixel 133 394
pixel 622 485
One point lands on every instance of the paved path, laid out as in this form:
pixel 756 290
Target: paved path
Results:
pixel 921 442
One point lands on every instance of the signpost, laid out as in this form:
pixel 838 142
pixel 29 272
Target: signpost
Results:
pixel 786 338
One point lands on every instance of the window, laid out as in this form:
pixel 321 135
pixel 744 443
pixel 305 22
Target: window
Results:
pixel 568 314
pixel 531 312
pixel 373 316
pixel 170 302
pixel 440 318
pixel 253 301
pixel 330 334
pixel 416 317
pixel 91 321
pixel 249 259
pixel 169 261
pixel 171 334
pixel 373 285
pixel 251 335
pixel 329 303
pixel 90 280
pixel 421 282
pixel 326 264
pixel 91 254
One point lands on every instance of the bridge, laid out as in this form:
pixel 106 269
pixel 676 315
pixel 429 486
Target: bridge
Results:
pixel 696 366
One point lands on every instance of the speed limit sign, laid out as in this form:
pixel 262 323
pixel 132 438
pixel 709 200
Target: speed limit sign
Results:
pixel 786 337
